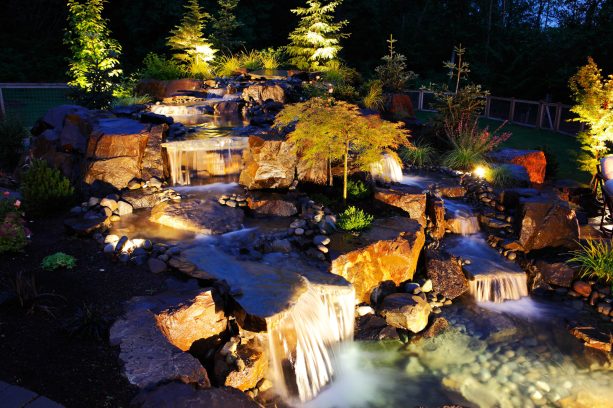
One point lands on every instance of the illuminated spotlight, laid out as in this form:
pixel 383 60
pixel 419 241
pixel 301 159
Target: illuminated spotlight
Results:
pixel 480 171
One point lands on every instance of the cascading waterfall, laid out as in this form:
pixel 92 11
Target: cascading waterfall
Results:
pixel 499 287
pixel 464 220
pixel 388 169
pixel 302 343
pixel 205 157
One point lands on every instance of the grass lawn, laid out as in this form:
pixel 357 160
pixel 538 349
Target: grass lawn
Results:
pixel 564 147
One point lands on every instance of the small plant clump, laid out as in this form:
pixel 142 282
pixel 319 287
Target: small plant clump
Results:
pixel 393 73
pixel 88 322
pixel 374 99
pixel 500 176
pixel 357 190
pixel 45 190
pixel 595 260
pixel 158 67
pixel 131 100
pixel 57 261
pixel 354 219
pixel 419 155
pixel 13 233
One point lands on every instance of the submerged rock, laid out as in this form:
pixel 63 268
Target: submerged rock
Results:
pixel 446 274
pixel 200 216
pixel 406 311
pixel 388 251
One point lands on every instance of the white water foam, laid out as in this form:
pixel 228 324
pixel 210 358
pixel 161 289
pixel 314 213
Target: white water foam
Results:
pixel 388 169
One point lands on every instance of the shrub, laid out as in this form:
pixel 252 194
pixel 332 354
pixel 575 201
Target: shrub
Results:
pixel 45 190
pixel 12 135
pixel 463 158
pixel 158 67
pixel 374 96
pixel 458 110
pixel 57 261
pixel 595 260
pixel 418 155
pixel 271 58
pixel 227 65
pixel 393 73
pixel 13 234
pixel 357 190
pixel 354 219
pixel 251 60
pixel 8 206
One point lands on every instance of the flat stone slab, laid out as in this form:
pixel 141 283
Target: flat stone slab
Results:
pixel 13 396
pixel 206 217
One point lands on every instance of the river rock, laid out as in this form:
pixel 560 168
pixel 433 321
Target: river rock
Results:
pixel 148 358
pixel 124 208
pixel 199 318
pixel 272 204
pixel 547 223
pixel 582 288
pixel 388 251
pixel 268 164
pixel 533 161
pixel 405 311
pixel 446 274
pixel 182 395
pixel 374 328
pixel 145 197
pixel 253 368
pixel 262 92
pixel 200 216
pixel 409 199
pixel 557 273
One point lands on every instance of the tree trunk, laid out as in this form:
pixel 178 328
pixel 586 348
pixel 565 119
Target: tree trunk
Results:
pixel 330 178
pixel 345 171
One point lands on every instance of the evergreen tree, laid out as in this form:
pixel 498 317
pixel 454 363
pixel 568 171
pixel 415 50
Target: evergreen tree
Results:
pixel 335 130
pixel 94 63
pixel 316 40
pixel 187 40
pixel 225 25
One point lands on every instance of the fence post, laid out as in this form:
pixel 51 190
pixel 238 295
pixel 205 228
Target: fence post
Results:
pixel 420 100
pixel 558 116
pixel 488 103
pixel 539 115
pixel 512 110
pixel 2 107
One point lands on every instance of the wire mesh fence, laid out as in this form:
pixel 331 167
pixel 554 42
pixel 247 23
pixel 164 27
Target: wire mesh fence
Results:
pixel 29 102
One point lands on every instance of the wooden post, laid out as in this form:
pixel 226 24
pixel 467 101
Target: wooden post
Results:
pixel 488 104
pixel 2 107
pixel 512 110
pixel 539 115
pixel 420 100
pixel 558 116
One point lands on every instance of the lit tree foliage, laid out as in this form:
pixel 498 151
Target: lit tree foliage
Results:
pixel 393 72
pixel 458 69
pixel 335 130
pixel 316 40
pixel 94 63
pixel 594 97
pixel 225 25
pixel 187 40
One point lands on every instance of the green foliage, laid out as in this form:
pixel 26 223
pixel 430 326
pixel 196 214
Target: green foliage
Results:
pixel 358 190
pixel 94 63
pixel 458 69
pixel 8 206
pixel 12 136
pixel 251 60
pixel 13 235
pixel 224 25
pixel 463 158
pixel 460 109
pixel 192 50
pixel 57 261
pixel 326 129
pixel 354 219
pixel 500 176
pixel 595 260
pixel 272 58
pixel 593 95
pixel 160 68
pixel 131 100
pixel 227 65
pixel 374 99
pixel 418 155
pixel 45 190
pixel 316 39
pixel 551 171
pixel 393 73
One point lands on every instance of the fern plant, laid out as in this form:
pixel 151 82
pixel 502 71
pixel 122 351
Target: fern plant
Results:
pixel 354 219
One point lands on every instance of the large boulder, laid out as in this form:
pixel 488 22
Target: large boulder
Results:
pixel 206 217
pixel 545 223
pixel 409 199
pixel 262 92
pixel 153 163
pixel 268 164
pixel 446 274
pixel 533 161
pixel 400 104
pixel 272 204
pixel 115 151
pixel 199 318
pixel 388 251
pixel 148 358
pixel 405 311
pixel 435 210
pixel 175 395
pixel 556 273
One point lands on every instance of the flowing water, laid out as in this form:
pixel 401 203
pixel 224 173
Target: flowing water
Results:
pixel 388 169
pixel 461 218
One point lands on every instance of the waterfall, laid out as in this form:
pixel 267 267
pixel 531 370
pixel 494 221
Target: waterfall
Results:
pixel 463 221
pixel 499 287
pixel 204 158
pixel 388 169
pixel 303 342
